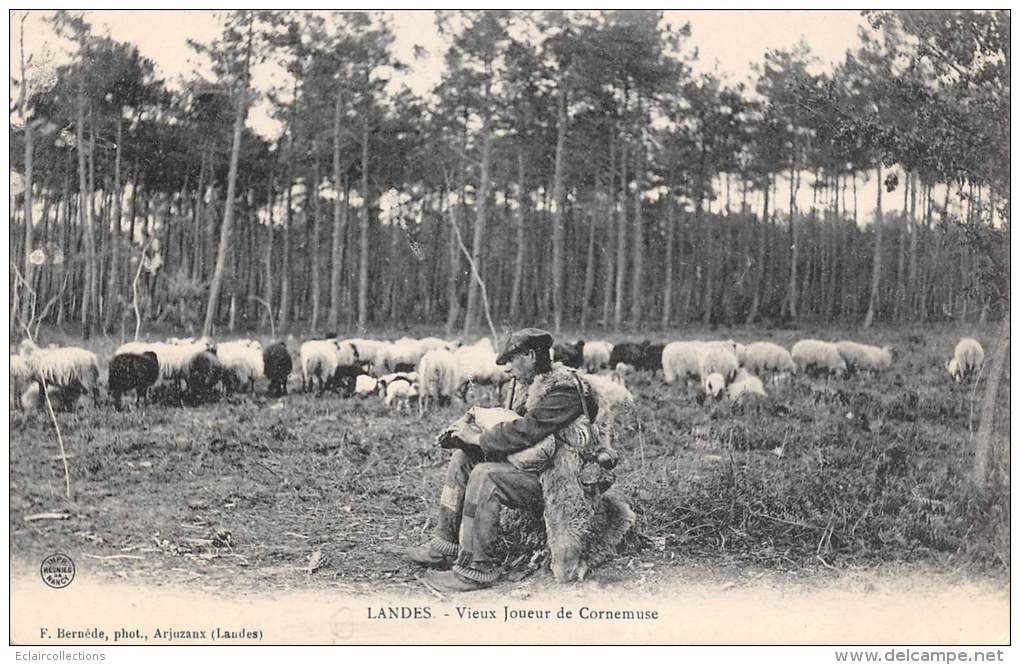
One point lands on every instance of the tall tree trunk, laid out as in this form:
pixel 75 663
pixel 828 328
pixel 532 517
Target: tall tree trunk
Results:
pixel 667 289
pixel 363 229
pixel 522 202
pixel 752 314
pixel 901 253
pixel 986 424
pixel 339 231
pixel 876 264
pixel 637 285
pixel 228 211
pixel 29 172
pixel 557 212
pixel 267 311
pixel 912 264
pixel 285 286
pixel 791 296
pixel 607 281
pixel 621 243
pixel 89 304
pixel 589 262
pixel 112 289
pixel 314 249
pixel 478 241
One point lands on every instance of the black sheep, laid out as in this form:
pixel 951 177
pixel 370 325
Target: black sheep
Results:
pixel 571 355
pixel 629 353
pixel 204 371
pixel 132 371
pixel 278 365
pixel 345 379
pixel 651 359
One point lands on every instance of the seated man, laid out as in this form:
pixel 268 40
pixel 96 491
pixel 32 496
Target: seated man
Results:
pixel 481 480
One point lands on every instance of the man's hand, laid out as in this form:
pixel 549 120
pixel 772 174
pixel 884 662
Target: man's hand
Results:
pixel 465 433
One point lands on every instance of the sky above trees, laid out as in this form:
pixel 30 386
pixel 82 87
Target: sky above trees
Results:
pixel 728 42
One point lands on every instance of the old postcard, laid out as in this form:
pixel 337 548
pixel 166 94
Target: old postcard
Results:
pixel 510 327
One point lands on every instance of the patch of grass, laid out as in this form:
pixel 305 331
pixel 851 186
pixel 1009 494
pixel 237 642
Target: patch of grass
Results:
pixel 246 490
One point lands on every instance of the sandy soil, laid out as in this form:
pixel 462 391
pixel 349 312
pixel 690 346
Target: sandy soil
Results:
pixel 691 605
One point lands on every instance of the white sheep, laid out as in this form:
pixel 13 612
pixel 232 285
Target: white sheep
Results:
pixel 318 363
pixel 242 360
pixel 681 360
pixel 595 356
pixel 864 357
pixel 718 359
pixel 21 376
pixel 818 356
pixel 968 357
pixel 714 384
pixel 738 349
pixel 619 374
pixel 437 378
pixel 368 351
pixel 365 385
pixel 68 367
pixel 476 365
pixel 174 356
pixel 609 390
pixel 389 356
pixel 744 387
pixel 768 357
pixel 433 343
pixel 400 393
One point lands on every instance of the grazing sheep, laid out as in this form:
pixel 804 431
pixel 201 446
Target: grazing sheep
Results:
pixel 437 378
pixel 737 349
pixel 365 385
pixel 476 365
pixel 277 364
pixel 368 351
pixel 768 357
pixel 718 359
pixel 651 358
pixel 204 371
pixel 132 371
pixel 21 376
pixel 65 367
pixel 628 353
pixel 608 390
pixel 714 384
pixel 968 357
pixel 174 356
pixel 62 398
pixel 400 393
pixel 619 374
pixel 318 363
pixel 404 352
pixel 818 357
pixel 243 363
pixel 864 357
pixel 681 360
pixel 596 356
pixel 571 355
pixel 745 387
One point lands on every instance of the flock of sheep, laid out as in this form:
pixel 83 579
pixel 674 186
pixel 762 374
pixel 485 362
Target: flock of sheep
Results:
pixel 429 370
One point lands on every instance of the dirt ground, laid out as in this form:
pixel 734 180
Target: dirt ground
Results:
pixel 252 498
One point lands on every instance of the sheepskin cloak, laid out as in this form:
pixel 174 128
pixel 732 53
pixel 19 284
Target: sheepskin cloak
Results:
pixel 583 524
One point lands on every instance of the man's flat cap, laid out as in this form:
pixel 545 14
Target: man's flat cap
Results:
pixel 525 340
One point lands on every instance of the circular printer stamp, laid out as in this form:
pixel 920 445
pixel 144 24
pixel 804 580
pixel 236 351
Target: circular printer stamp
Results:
pixel 57 570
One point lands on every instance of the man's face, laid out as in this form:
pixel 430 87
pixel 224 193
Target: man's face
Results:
pixel 522 367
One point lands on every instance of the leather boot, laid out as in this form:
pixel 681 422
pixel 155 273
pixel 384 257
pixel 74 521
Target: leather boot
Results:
pixel 424 555
pixel 448 581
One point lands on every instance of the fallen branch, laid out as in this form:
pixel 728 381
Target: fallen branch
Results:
pixel 112 557
pixel 46 516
